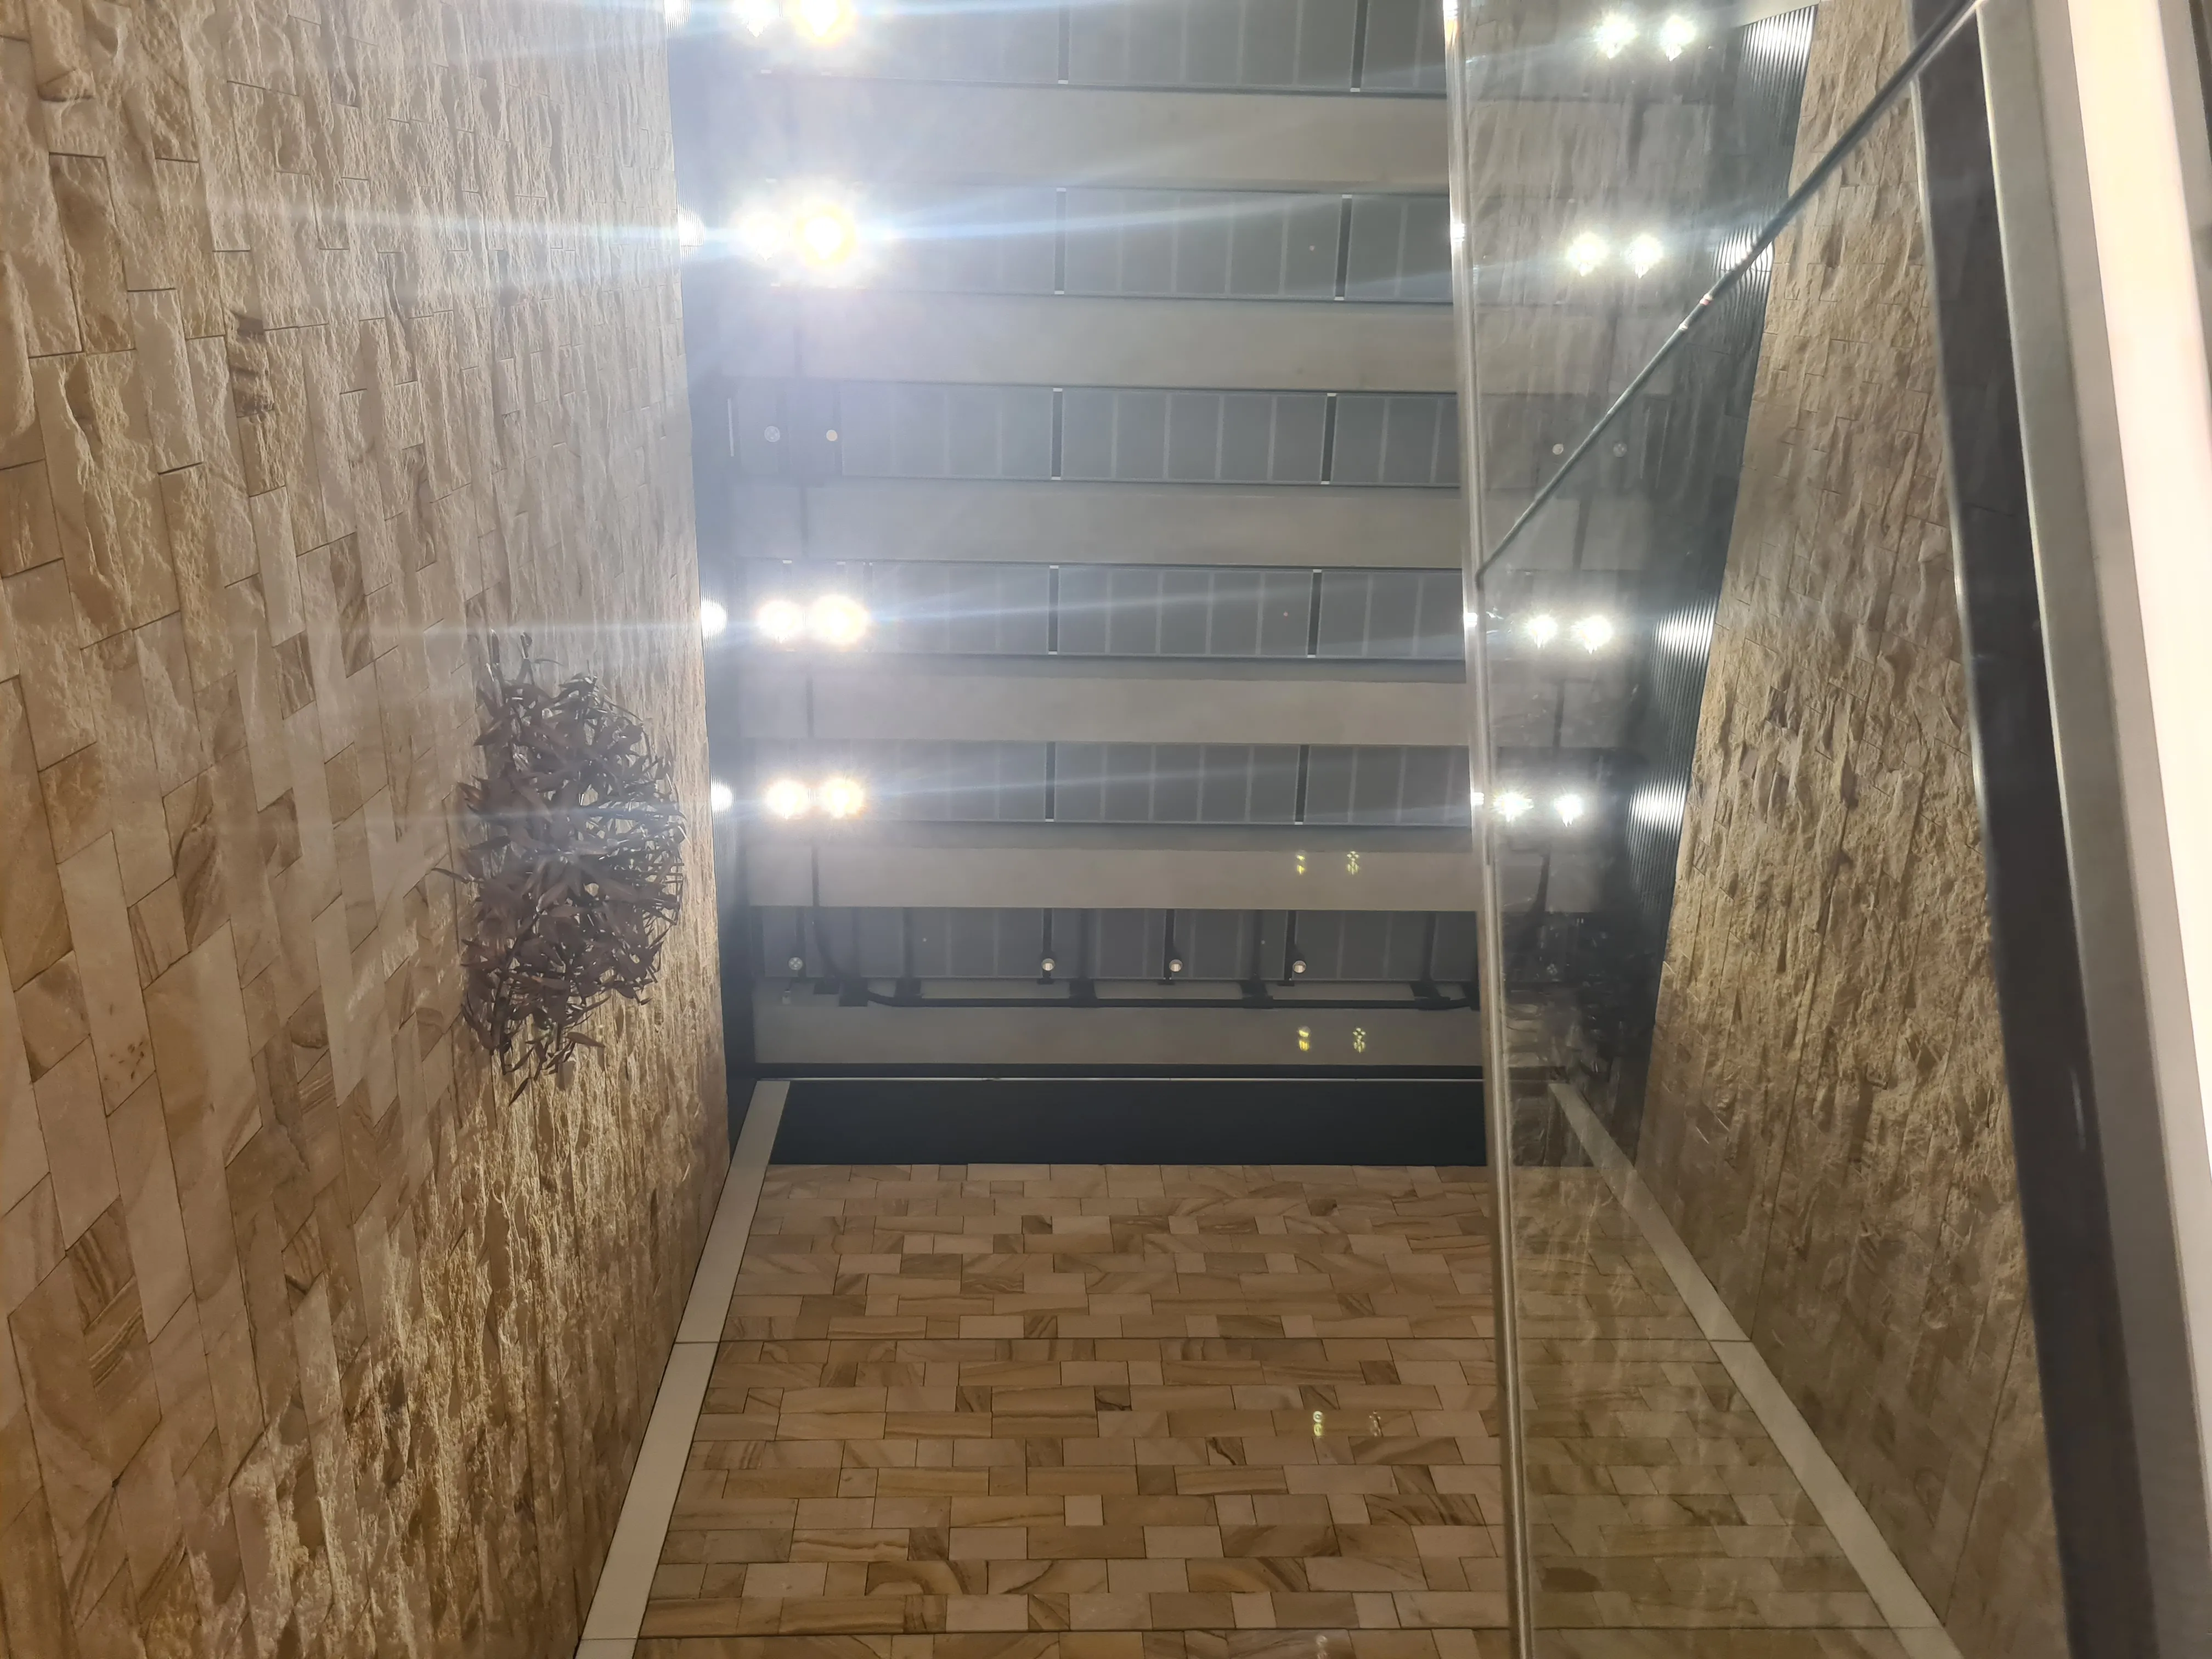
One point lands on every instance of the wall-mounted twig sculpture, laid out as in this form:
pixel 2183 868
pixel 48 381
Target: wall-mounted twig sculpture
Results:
pixel 577 872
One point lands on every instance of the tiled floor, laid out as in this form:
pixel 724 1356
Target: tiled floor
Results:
pixel 1084 1413
pixel 1658 1498
pixel 1141 1414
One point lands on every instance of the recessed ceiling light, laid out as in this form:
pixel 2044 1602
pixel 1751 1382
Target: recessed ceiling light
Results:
pixel 788 798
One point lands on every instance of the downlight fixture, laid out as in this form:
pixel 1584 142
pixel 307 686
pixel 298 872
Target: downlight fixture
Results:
pixel 779 622
pixel 1594 632
pixel 1616 32
pixel 841 797
pixel 1676 35
pixel 788 798
pixel 1587 253
pixel 826 234
pixel 1643 253
pixel 835 619
pixel 719 797
pixel 1512 805
pixel 820 22
pixel 714 618
pixel 1570 807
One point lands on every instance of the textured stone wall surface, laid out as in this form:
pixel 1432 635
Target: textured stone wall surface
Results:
pixel 1828 1121
pixel 333 340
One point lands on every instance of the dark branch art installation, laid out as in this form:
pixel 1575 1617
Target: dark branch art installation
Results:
pixel 578 871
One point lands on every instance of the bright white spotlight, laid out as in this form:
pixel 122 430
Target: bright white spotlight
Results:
pixel 780 621
pixel 788 798
pixel 713 618
pixel 1616 32
pixel 1541 628
pixel 1569 807
pixel 1594 633
pixel 820 22
pixel 827 236
pixel 1675 33
pixel 761 235
pixel 756 17
pixel 1644 253
pixel 690 229
pixel 676 12
pixel 841 797
pixel 837 620
pixel 1512 804
pixel 719 796
pixel 1587 253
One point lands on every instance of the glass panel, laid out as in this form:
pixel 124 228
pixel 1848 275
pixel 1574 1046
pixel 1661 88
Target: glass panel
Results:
pixel 1776 1366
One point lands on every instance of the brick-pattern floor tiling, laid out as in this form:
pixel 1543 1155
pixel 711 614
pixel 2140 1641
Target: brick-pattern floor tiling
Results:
pixel 1656 1498
pixel 1206 1406
pixel 1110 1412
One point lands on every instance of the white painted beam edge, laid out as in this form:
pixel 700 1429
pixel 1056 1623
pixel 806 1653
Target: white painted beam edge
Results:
pixel 1897 1597
pixel 618 1605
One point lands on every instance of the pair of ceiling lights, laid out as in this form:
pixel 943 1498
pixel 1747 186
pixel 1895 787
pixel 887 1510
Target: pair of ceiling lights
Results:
pixel 1590 251
pixel 837 797
pixel 814 232
pixel 837 620
pixel 1617 31
pixel 1593 633
pixel 1515 804
pixel 811 23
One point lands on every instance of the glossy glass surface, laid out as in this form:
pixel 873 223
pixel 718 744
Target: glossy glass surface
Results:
pixel 1776 1370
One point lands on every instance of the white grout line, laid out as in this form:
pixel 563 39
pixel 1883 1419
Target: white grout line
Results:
pixel 1894 1594
pixel 618 1605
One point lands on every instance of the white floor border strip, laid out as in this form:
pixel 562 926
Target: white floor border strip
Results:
pixel 1913 1621
pixel 618 1605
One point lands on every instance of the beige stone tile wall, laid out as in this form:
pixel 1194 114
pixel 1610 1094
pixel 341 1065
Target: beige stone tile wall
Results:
pixel 331 340
pixel 1827 1121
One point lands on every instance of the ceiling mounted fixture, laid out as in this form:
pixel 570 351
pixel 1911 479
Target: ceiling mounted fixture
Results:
pixel 1676 33
pixel 1541 628
pixel 1570 807
pixel 835 619
pixel 1594 632
pixel 719 796
pixel 714 618
pixel 1512 805
pixel 1616 32
pixel 779 622
pixel 1587 253
pixel 822 22
pixel 788 798
pixel 813 233
pixel 690 229
pixel 827 234
pixel 841 797
pixel 1643 252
